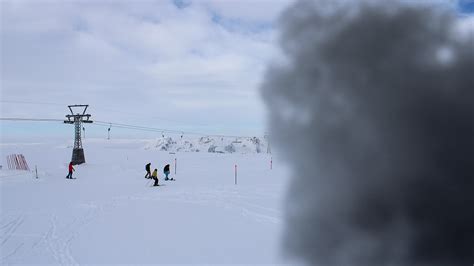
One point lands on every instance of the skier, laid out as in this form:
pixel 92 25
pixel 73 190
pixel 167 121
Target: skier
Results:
pixel 71 169
pixel 148 173
pixel 166 171
pixel 155 177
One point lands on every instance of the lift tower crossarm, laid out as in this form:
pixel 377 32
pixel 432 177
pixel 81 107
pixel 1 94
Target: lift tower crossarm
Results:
pixel 78 105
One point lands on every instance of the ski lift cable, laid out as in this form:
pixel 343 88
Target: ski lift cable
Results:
pixel 107 109
pixel 161 130
pixel 101 108
pixel 30 119
pixel 123 126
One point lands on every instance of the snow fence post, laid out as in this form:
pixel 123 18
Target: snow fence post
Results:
pixel 20 164
pixel 18 159
pixel 175 165
pixel 17 164
pixel 271 163
pixel 25 164
pixel 235 176
pixel 36 170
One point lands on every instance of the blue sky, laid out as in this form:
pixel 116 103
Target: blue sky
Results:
pixel 466 6
pixel 178 64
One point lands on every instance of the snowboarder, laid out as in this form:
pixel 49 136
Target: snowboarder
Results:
pixel 166 171
pixel 148 173
pixel 155 177
pixel 71 169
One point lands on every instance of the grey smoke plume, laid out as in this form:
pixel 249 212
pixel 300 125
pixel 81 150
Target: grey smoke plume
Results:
pixel 374 111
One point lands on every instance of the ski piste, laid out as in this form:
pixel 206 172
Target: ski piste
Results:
pixel 111 195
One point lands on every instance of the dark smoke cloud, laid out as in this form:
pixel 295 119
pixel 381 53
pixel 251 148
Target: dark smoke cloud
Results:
pixel 374 110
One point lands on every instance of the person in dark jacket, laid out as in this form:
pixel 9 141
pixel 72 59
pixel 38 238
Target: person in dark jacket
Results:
pixel 147 168
pixel 166 171
pixel 71 169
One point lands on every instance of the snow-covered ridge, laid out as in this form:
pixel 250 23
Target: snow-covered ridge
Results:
pixel 210 144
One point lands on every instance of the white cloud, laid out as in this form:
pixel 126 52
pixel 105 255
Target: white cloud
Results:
pixel 149 56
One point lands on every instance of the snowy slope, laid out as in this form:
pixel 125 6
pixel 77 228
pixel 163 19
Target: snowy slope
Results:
pixel 110 214
pixel 210 144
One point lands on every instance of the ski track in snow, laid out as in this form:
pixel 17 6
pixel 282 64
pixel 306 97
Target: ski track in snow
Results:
pixel 58 247
pixel 221 199
pixel 8 230
pixel 56 239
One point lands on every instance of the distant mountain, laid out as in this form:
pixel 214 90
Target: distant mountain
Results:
pixel 210 144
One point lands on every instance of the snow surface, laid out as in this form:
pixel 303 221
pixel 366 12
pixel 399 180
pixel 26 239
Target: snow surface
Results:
pixel 110 213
